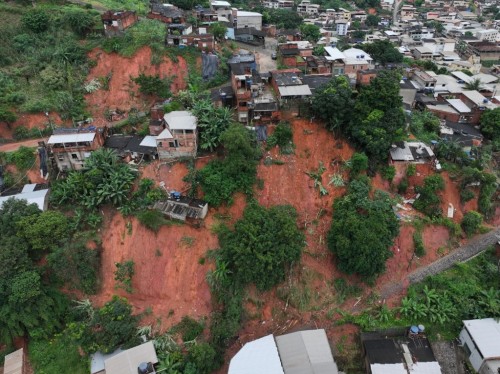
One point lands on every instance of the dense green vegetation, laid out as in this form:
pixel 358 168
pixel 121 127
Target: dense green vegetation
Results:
pixel 236 172
pixel 29 303
pixel 467 291
pixel 282 137
pixel 58 355
pixel 429 201
pixel 382 51
pixel 44 63
pixel 362 230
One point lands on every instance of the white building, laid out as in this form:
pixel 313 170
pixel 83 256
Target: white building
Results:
pixel 33 194
pixel 480 339
pixel 306 7
pixel 304 352
pixel 490 35
pixel 248 19
pixel 341 27
pixel 222 8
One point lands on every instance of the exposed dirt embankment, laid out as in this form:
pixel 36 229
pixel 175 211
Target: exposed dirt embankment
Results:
pixel 30 121
pixel 122 93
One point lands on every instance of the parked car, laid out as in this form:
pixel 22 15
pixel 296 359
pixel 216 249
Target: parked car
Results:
pixel 274 56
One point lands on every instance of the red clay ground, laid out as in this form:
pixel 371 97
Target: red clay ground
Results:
pixel 123 93
pixel 37 120
pixel 176 281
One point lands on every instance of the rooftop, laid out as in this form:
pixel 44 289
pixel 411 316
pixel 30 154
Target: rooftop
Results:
pixel 32 193
pixel 486 334
pixel 180 120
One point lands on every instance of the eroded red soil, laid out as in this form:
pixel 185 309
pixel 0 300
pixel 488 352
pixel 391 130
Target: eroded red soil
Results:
pixel 122 93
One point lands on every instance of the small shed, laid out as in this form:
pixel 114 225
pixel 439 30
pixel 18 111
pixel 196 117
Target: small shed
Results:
pixel 125 362
pixel 183 208
pixel 415 152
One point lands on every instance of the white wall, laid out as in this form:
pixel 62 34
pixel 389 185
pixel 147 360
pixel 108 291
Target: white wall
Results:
pixel 475 358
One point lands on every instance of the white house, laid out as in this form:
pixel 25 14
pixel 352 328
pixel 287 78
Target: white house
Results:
pixel 33 193
pixel 341 27
pixel 248 19
pixel 480 339
pixel 304 352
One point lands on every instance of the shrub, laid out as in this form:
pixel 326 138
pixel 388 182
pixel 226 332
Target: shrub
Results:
pixel 419 244
pixel 23 158
pixel 429 202
pixel 153 85
pixel 359 163
pixel 471 222
pixel 36 20
pixel 123 275
pixel 411 170
pixel 403 186
pixel 151 219
pixel 388 173
pixel 189 328
pixel 466 195
pixel 282 137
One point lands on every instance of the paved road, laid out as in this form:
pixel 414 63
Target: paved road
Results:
pixel 461 254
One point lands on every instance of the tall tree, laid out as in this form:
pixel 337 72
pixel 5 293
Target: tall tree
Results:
pixel 378 119
pixel 333 103
pixel 310 32
pixel 383 51
pixel 490 124
pixel 362 230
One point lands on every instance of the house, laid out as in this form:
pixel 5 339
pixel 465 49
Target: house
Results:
pixel 316 81
pixel 139 359
pixel 463 107
pixel 424 80
pixel 467 16
pixel 205 15
pixel 223 9
pixel 485 50
pixel 250 35
pixel 308 8
pixel 15 363
pixel 398 351
pixel 479 339
pixel 70 147
pixel 489 35
pixel 341 27
pixel 223 96
pixel 248 19
pixel 179 138
pixel 133 147
pixel 183 35
pixel 318 65
pixel 364 77
pixel 116 22
pixel 182 207
pixel 407 13
pixel 408 92
pixel 166 13
pixel 304 352
pixel 33 193
pixel 414 152
pixel 288 84
pixel 353 59
pixel 289 55
pixel 422 53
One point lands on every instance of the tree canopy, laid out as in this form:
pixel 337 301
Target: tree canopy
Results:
pixel 333 103
pixel 378 119
pixel 261 245
pixel 362 230
pixel 383 51
pixel 310 32
pixel 490 124
pixel 284 18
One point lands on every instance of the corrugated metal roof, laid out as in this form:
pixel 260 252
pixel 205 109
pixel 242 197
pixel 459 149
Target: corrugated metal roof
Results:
pixel 97 360
pixel 128 361
pixel 486 335
pixel 401 154
pixel 72 138
pixel 180 120
pixel 33 197
pixel 301 90
pixel 426 368
pixel 459 105
pixel 388 369
pixel 14 362
pixel 165 134
pixel 258 356
pixel 306 352
pixel 148 141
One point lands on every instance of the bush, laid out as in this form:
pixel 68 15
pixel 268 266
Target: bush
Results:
pixel 59 355
pixel 359 163
pixel 123 275
pixel 152 219
pixel 23 158
pixel 36 20
pixel 388 173
pixel 189 328
pixel 282 137
pixel 486 194
pixel 466 195
pixel 418 244
pixel 429 202
pixel 471 222
pixel 153 85
pixel 403 186
pixel 411 170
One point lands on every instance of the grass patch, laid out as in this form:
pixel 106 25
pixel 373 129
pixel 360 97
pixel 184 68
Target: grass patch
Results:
pixel 154 220
pixel 58 355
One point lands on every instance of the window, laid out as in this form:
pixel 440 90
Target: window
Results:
pixel 189 131
pixel 74 156
pixel 174 144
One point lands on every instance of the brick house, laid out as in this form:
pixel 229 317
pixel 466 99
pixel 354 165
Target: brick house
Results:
pixel 183 35
pixel 69 148
pixel 116 22
pixel 166 13
pixel 364 77
pixel 179 138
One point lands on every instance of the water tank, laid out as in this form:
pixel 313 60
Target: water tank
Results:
pixel 414 329
pixel 421 328
pixel 145 368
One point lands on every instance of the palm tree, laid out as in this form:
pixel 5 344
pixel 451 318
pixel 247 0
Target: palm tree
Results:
pixel 473 85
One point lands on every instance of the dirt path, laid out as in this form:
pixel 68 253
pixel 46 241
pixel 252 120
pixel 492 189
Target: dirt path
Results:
pixel 11 147
pixel 461 254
